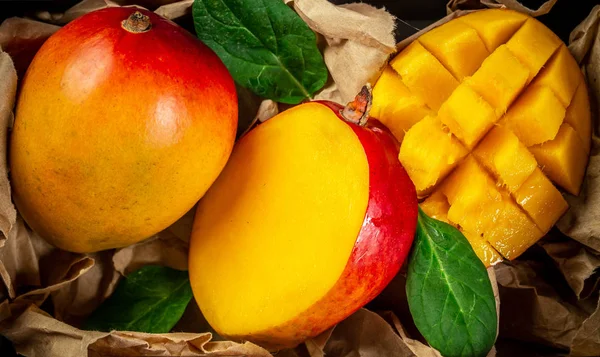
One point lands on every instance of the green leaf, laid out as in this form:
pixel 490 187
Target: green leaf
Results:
pixel 151 299
pixel 449 292
pixel 265 45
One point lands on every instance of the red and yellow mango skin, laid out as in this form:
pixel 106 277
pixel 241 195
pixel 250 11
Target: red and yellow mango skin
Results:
pixel 378 250
pixel 118 134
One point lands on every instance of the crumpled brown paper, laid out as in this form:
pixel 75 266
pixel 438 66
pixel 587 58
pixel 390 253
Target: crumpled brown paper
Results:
pixel 357 45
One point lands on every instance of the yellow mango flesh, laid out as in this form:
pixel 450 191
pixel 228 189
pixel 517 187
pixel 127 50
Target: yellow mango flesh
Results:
pixel 424 75
pixel 506 157
pixel 536 116
pixel 500 79
pixel 562 75
pixel 514 123
pixel 317 201
pixel 563 159
pixel 429 153
pixel 391 100
pixel 458 47
pixel 467 115
pixel 479 206
pixel 533 44
pixel 578 116
pixel 541 200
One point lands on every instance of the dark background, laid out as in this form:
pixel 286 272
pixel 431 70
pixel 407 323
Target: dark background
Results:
pixel 412 15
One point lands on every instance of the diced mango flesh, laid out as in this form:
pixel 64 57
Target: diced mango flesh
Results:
pixel 494 26
pixel 478 206
pixel 500 79
pixel 563 159
pixel 436 206
pixel 458 47
pixel 467 115
pixel 562 75
pixel 394 105
pixel 536 116
pixel 424 75
pixel 506 157
pixel 429 152
pixel 533 44
pixel 499 129
pixel 541 200
pixel 579 116
pixel 486 253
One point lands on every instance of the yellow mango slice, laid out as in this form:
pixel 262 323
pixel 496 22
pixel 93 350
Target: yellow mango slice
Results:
pixel 467 115
pixel 488 255
pixel 536 116
pixel 394 105
pixel 457 46
pixel 533 44
pixel 424 75
pixel 429 152
pixel 561 74
pixel 436 206
pixel 494 26
pixel 563 159
pixel 500 79
pixel 506 157
pixel 578 116
pixel 541 200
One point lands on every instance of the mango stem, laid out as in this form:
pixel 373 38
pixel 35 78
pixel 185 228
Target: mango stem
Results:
pixel 137 23
pixel 357 111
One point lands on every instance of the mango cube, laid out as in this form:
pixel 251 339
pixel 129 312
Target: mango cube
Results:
pixel 494 26
pixel 436 206
pixel 424 75
pixel 506 157
pixel 578 116
pixel 563 159
pixel 478 206
pixel 536 116
pixel 429 152
pixel 541 200
pixel 457 46
pixel 394 105
pixel 484 250
pixel 533 45
pixel 467 115
pixel 500 79
pixel 562 75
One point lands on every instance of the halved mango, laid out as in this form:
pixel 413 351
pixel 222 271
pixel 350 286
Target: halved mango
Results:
pixel 510 128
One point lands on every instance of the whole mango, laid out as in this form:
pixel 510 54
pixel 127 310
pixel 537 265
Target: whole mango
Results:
pixel 492 110
pixel 123 122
